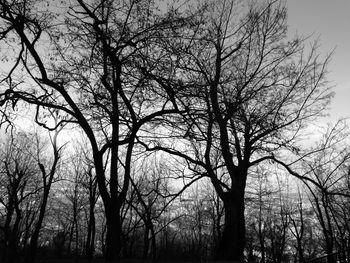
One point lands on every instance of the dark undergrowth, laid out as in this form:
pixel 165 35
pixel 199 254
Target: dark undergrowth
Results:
pixel 101 260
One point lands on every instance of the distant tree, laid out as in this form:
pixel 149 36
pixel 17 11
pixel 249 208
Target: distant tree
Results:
pixel 297 227
pixel 322 172
pixel 259 207
pixel 340 214
pixel 216 214
pixel 147 204
pixel 18 174
pixel 277 227
pixel 74 196
pixel 90 184
pixel 28 174
pixel 48 172
pixel 340 210
pixel 156 198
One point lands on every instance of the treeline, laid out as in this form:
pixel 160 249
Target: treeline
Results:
pixel 162 219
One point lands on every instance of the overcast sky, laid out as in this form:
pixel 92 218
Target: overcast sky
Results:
pixel 329 20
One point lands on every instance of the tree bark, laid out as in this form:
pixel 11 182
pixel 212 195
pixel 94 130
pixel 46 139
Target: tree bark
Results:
pixel 113 235
pixel 232 243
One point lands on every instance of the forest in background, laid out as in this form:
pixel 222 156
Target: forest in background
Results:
pixel 167 131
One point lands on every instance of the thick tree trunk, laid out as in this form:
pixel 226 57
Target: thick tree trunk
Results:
pixel 113 235
pixel 300 250
pixel 113 241
pixel 232 243
pixel 329 250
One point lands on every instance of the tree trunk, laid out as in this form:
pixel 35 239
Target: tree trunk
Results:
pixel 33 246
pixel 232 243
pixel 47 182
pixel 300 250
pixel 262 245
pixel 261 233
pixel 70 240
pixel 146 242
pixel 114 234
pixel 154 245
pixel 90 242
pixel 89 246
pixel 76 252
pixel 329 251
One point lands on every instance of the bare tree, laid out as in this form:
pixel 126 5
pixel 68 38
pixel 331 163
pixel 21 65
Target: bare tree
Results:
pixel 91 186
pixel 323 175
pixel 95 63
pixel 298 228
pixel 74 196
pixel 18 173
pixel 259 206
pixel 47 178
pixel 30 175
pixel 278 225
pixel 253 92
